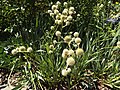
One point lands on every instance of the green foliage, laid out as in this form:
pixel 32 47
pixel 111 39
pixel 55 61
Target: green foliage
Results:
pixel 27 23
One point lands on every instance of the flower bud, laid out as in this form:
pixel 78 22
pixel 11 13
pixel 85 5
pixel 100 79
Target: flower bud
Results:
pixel 101 5
pixel 68 70
pixel 67 39
pixel 77 40
pixel 50 52
pixel 64 55
pixel 22 48
pixel 62 17
pixel 65 51
pixel 71 9
pixel 65 12
pixel 71 12
pixel 56 12
pixel 17 49
pixel 54 42
pixel 54 7
pixel 58 3
pixel 76 34
pixel 64 72
pixel 70 61
pixel 52 27
pixel 70 52
pixel 58 33
pixel 69 18
pixel 51 46
pixel 118 43
pixel 14 51
pixel 56 21
pixel 67 23
pixel 29 49
pixel 65 4
pixel 79 51
pixel 57 17
pixel 52 14
pixel 59 22
pixel 49 11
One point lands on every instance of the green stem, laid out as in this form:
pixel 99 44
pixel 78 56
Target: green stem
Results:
pixel 68 80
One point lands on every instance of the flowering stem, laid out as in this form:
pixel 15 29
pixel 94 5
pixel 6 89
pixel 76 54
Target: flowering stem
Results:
pixel 68 80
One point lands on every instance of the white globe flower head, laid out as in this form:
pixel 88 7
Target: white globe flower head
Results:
pixel 101 5
pixel 79 52
pixel 50 52
pixel 22 48
pixel 14 51
pixel 65 4
pixel 51 46
pixel 71 12
pixel 65 51
pixel 71 9
pixel 56 12
pixel 58 3
pixel 68 70
pixel 65 20
pixel 78 15
pixel 69 18
pixel 54 7
pixel 67 39
pixel 70 61
pixel 62 17
pixel 58 33
pixel 118 43
pixel 52 14
pixel 17 49
pixel 76 34
pixel 29 49
pixel 52 28
pixel 59 22
pixel 65 12
pixel 54 42
pixel 64 55
pixel 57 16
pixel 70 52
pixel 64 72
pixel 56 21
pixel 77 40
pixel 67 23
pixel 49 11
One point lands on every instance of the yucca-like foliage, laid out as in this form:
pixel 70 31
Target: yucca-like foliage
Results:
pixel 71 44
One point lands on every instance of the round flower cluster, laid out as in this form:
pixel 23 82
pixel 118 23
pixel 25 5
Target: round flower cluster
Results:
pixel 51 49
pixel 21 49
pixel 118 44
pixel 69 54
pixel 64 17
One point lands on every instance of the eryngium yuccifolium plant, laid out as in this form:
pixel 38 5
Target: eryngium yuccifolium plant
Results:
pixel 21 49
pixel 68 53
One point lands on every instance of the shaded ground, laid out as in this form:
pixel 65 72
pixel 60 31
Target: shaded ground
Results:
pixel 4 73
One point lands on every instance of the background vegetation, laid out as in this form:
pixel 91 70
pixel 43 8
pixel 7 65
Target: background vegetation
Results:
pixel 27 23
